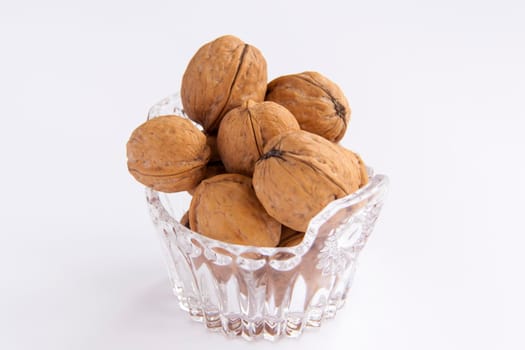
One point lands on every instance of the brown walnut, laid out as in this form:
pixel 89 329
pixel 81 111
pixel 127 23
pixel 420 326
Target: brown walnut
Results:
pixel 168 154
pixel 225 208
pixel 318 103
pixel 299 174
pixel 246 129
pixel 222 74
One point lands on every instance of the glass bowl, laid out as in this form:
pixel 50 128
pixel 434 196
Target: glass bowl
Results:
pixel 268 293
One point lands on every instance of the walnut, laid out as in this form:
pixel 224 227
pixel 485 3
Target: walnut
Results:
pixel 299 174
pixel 318 103
pixel 225 208
pixel 168 154
pixel 245 130
pixel 222 74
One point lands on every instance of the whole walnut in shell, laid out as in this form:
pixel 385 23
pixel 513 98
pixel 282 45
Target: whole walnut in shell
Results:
pixel 299 174
pixel 168 154
pixel 225 208
pixel 222 74
pixel 246 129
pixel 318 103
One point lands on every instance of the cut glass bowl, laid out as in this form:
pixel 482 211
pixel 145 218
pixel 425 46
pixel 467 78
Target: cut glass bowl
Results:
pixel 268 293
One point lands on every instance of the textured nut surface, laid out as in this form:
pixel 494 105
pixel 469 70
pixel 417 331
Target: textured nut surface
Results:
pixel 356 158
pixel 245 130
pixel 220 76
pixel 168 154
pixel 299 174
pixel 318 103
pixel 225 208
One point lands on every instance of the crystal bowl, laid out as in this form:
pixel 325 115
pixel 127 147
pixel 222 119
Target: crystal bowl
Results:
pixel 268 293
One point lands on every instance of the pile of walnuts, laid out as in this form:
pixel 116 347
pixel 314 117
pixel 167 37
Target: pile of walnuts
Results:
pixel 267 159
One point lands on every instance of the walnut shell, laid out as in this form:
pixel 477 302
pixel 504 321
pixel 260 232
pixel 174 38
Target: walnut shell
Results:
pixel 356 158
pixel 290 237
pixel 287 232
pixel 292 241
pixel 245 130
pixel 318 103
pixel 168 154
pixel 299 174
pixel 222 74
pixel 225 208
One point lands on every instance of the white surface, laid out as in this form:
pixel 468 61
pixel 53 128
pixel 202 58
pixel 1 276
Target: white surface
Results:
pixel 437 92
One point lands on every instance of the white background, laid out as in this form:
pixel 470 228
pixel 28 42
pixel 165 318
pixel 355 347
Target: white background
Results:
pixel 437 90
